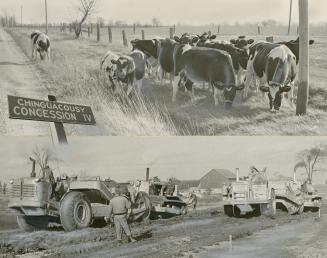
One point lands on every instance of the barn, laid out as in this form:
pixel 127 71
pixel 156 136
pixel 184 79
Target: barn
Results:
pixel 215 179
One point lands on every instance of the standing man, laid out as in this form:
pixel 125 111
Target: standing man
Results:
pixel 120 209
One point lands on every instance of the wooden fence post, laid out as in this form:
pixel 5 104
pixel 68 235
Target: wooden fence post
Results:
pixel 218 29
pixel 124 38
pixel 174 28
pixel 98 32
pixel 259 30
pixel 88 31
pixel 134 28
pixel 70 28
pixel 270 39
pixel 171 33
pixel 109 34
pixel 143 36
pixel 91 28
pixel 303 88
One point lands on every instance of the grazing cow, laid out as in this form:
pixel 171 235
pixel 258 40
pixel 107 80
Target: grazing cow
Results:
pixel 239 57
pixel 130 69
pixel 294 46
pixel 274 65
pixel 242 42
pixel 40 44
pixel 199 64
pixel 109 67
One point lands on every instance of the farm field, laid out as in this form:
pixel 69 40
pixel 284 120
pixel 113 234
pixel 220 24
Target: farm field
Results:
pixel 73 75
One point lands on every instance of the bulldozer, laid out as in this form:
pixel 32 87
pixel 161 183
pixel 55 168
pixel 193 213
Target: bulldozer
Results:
pixel 250 196
pixel 294 197
pixel 74 202
pixel 164 197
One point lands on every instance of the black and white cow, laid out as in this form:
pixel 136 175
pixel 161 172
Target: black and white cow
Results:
pixel 274 66
pixel 213 66
pixel 294 46
pixel 109 67
pixel 242 42
pixel 151 49
pixel 239 57
pixel 40 44
pixel 130 70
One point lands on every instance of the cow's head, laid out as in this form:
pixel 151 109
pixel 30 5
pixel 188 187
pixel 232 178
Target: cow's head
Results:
pixel 275 94
pixel 148 47
pixel 204 39
pixel 242 42
pixel 229 93
pixel 294 46
pixel 186 39
pixel 124 67
pixel 242 57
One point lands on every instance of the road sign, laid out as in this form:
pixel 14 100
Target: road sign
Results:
pixel 42 110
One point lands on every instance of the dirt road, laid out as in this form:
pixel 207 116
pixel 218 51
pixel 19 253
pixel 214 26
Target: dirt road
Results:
pixel 18 76
pixel 182 236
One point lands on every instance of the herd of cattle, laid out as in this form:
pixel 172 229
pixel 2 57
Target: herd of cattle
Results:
pixel 227 66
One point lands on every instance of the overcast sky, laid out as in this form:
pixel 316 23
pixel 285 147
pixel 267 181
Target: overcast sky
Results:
pixel 125 158
pixel 169 11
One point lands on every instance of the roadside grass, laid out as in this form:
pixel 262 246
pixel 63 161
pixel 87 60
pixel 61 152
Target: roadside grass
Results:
pixel 74 81
pixel 73 75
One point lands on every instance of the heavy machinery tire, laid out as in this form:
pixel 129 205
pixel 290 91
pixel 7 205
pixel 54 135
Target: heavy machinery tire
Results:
pixel 32 223
pixel 228 210
pixel 75 211
pixel 142 200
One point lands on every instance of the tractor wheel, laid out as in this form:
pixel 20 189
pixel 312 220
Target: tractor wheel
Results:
pixel 32 223
pixel 142 202
pixel 75 211
pixel 228 210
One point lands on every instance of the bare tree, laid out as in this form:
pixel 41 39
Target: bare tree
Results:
pixel 309 160
pixel 86 8
pixel 41 156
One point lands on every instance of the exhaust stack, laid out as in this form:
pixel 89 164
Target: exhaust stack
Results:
pixel 237 174
pixel 147 175
pixel 33 174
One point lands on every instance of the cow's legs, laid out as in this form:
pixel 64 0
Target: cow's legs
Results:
pixel 49 54
pixel 190 89
pixel 33 51
pixel 129 89
pixel 175 88
pixel 139 84
pixel 162 74
pixel 171 78
pixel 217 95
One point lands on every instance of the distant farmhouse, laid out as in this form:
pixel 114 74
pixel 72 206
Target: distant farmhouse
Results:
pixel 215 179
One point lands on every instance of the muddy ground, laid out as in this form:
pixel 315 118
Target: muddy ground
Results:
pixel 187 236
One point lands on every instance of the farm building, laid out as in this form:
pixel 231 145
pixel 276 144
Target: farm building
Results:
pixel 215 179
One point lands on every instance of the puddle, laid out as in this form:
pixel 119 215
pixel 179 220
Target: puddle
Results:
pixel 267 243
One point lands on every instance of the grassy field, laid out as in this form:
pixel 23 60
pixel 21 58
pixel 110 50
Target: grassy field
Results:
pixel 73 75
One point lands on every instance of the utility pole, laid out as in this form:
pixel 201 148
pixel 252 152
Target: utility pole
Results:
pixel 303 90
pixel 21 16
pixel 46 16
pixel 290 18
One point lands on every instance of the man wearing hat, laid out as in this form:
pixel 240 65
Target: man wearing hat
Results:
pixel 120 209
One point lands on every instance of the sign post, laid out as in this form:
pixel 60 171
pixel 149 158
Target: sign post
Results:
pixel 56 113
pixel 57 128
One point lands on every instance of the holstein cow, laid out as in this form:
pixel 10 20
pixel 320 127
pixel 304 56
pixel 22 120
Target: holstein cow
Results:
pixel 151 49
pixel 110 68
pixel 214 66
pixel 294 46
pixel 239 57
pixel 130 70
pixel 40 44
pixel 274 65
pixel 242 42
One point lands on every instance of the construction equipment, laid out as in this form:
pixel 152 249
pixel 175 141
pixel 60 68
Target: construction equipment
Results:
pixel 251 196
pixel 165 201
pixel 294 197
pixel 74 202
